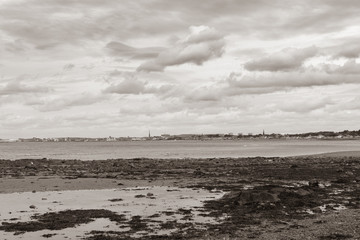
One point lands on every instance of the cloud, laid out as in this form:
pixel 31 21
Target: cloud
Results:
pixel 17 46
pixel 353 104
pixel 203 94
pixel 202 44
pixel 240 84
pixel 305 106
pixel 60 103
pixel 350 67
pixel 288 80
pixel 123 50
pixel 348 51
pixel 287 89
pixel 345 47
pixel 127 86
pixel 130 84
pixel 16 87
pixel 285 60
pixel 47 24
pixel 150 107
pixel 68 67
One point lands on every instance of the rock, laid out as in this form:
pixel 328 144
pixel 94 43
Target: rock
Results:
pixel 302 192
pixel 140 196
pixel 313 183
pixel 32 206
pixel 342 180
pixel 116 200
pixel 249 197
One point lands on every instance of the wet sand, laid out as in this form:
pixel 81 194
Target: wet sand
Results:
pixel 57 183
pixel 305 197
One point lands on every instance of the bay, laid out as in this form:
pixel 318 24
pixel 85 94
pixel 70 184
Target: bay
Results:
pixel 173 149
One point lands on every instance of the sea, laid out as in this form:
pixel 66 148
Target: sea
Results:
pixel 173 149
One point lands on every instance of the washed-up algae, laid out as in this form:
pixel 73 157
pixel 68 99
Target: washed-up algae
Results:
pixel 61 220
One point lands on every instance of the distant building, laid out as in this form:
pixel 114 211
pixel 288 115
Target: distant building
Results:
pixel 165 136
pixel 110 139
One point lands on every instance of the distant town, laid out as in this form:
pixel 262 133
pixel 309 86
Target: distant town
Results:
pixel 326 135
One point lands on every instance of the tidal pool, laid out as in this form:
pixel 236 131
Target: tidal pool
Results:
pixel 155 206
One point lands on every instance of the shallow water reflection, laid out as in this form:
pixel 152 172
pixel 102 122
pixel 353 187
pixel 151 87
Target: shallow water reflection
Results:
pixel 156 206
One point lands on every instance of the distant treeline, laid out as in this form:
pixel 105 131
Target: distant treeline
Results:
pixel 346 134
pixel 327 134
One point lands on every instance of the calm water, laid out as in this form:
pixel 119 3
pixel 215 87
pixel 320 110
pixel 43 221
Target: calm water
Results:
pixel 173 149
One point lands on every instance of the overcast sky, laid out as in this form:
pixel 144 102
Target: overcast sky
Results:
pixel 107 67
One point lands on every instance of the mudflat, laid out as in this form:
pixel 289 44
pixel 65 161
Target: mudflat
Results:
pixel 304 197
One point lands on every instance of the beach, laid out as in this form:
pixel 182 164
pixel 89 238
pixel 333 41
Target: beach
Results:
pixel 304 197
pixel 187 120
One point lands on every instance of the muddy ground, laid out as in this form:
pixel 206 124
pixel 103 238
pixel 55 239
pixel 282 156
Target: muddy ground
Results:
pixel 310 197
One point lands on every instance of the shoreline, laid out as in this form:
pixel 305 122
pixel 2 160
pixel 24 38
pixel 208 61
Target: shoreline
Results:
pixel 267 197
pixel 324 154
pixel 26 175
pixel 173 150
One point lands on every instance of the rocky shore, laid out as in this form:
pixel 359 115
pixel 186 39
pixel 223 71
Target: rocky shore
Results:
pixel 309 197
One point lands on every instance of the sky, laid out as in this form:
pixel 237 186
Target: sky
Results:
pixel 96 68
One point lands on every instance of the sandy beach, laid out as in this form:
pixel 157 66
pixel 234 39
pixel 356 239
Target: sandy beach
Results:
pixel 305 197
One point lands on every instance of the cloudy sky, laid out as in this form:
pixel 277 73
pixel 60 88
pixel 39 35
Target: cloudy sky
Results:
pixel 107 67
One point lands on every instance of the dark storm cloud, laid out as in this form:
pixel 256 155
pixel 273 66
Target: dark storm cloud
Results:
pixel 285 60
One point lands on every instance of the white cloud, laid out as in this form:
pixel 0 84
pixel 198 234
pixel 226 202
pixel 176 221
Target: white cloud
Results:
pixel 305 105
pixel 129 83
pixel 348 49
pixel 16 87
pixel 123 50
pixel 202 44
pixel 127 86
pixel 350 67
pixel 285 60
pixel 70 101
